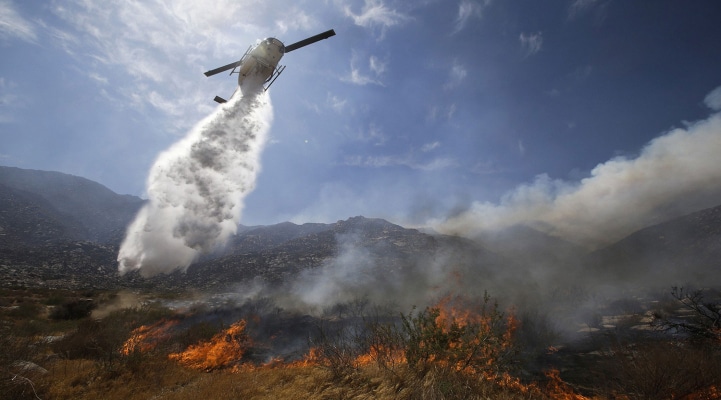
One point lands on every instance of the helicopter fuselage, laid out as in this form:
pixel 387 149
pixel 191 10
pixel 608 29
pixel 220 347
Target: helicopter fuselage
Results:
pixel 261 60
pixel 259 65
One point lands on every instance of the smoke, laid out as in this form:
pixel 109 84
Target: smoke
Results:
pixel 675 173
pixel 196 188
pixel 121 300
pixel 402 274
pixel 345 277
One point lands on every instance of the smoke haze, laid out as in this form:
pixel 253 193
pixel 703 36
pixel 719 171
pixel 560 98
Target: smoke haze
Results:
pixel 675 173
pixel 196 188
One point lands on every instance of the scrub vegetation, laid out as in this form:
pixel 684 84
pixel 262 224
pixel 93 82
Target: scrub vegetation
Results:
pixel 75 345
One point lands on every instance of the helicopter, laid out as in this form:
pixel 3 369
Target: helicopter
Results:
pixel 260 61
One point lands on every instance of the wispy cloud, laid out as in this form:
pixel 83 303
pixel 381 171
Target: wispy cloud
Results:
pixel 376 15
pixel 144 43
pixel 400 161
pixel 531 43
pixel 430 146
pixel 436 113
pixel 301 21
pixel 486 168
pixel 373 134
pixel 336 103
pixel 9 100
pixel 13 25
pixel 358 77
pixel 456 75
pixel 468 9
pixel 579 8
pixel 377 65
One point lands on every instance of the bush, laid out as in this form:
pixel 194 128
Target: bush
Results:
pixel 460 336
pixel 102 339
pixel 704 322
pixel 18 375
pixel 75 309
pixel 25 310
pixel 662 369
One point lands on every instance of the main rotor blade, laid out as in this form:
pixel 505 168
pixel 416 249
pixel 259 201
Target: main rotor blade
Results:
pixel 310 40
pixel 221 69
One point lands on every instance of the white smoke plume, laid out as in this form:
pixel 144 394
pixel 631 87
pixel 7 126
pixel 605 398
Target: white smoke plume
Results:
pixel 196 188
pixel 676 173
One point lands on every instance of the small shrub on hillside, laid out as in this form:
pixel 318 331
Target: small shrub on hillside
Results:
pixel 337 348
pixel 18 373
pixel 457 349
pixel 75 309
pixel 704 322
pixel 55 299
pixel 475 338
pixel 25 310
pixel 102 339
pixel 662 369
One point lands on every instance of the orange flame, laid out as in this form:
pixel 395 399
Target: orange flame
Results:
pixel 507 381
pixel 458 313
pixel 558 389
pixel 223 350
pixel 379 352
pixel 312 359
pixel 146 337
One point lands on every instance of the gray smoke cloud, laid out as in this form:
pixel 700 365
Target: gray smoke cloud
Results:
pixel 196 188
pixel 675 173
pixel 365 271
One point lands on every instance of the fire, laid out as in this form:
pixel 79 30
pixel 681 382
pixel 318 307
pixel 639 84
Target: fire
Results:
pixel 558 389
pixel 478 334
pixel 146 337
pixel 223 350
pixel 460 336
pixel 555 388
pixel 507 381
pixel 312 359
pixel 380 353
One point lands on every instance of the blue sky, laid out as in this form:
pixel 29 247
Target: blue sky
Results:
pixel 415 111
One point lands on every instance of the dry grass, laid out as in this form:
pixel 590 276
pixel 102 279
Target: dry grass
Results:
pixel 632 370
pixel 160 379
pixel 85 379
pixel 87 363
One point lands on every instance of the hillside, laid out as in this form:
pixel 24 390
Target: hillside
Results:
pixel 80 208
pixel 683 250
pixel 64 231
pixel 316 283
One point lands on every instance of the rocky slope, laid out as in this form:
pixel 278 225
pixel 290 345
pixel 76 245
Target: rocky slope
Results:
pixel 58 230
pixel 80 208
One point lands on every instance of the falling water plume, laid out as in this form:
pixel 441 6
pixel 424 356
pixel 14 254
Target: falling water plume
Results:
pixel 196 188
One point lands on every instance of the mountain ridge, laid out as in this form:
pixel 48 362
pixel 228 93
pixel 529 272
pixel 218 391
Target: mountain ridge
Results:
pixel 101 213
pixel 68 231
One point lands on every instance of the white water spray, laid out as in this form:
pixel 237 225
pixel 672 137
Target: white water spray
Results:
pixel 196 188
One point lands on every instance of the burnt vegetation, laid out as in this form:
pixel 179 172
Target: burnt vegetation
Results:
pixel 458 348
